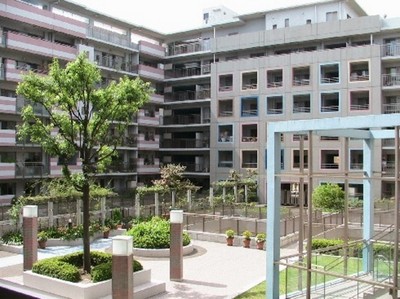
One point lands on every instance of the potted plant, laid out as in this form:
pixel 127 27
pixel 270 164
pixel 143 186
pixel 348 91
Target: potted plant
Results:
pixel 106 231
pixel 230 236
pixel 247 238
pixel 260 240
pixel 42 239
pixel 117 217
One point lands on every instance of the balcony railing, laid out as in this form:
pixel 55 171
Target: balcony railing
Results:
pixel 186 48
pixel 182 119
pixel 196 167
pixel 274 84
pixel 301 81
pixel 123 167
pixel 329 165
pixel 188 72
pixel 37 108
pixel 391 108
pixel 249 164
pixel 31 169
pixel 186 143
pixel 357 107
pixel 249 139
pixel 332 108
pixel 391 49
pixel 329 80
pixel 225 164
pixel 391 79
pixel 301 109
pixel 112 37
pixel 274 110
pixel 188 95
pixel 226 88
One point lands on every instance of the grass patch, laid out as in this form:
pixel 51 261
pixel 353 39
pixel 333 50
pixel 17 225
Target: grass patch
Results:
pixel 331 263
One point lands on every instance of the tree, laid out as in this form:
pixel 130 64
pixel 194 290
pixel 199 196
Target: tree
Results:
pixel 82 114
pixel 328 197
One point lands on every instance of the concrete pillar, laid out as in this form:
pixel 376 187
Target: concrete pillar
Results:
pixel 30 229
pixel 156 204
pixel 176 246
pixel 137 205
pixel 122 267
pixel 50 213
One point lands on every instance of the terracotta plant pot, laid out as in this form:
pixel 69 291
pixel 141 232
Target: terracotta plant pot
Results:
pixel 106 234
pixel 260 245
pixel 229 241
pixel 246 243
pixel 42 244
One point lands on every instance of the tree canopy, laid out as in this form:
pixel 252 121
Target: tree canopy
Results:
pixel 83 119
pixel 328 197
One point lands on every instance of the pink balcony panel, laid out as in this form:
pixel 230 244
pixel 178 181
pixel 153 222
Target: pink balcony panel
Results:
pixel 7 170
pixel 30 14
pixel 152 143
pixel 5 200
pixel 36 45
pixel 150 72
pixel 14 74
pixel 145 119
pixel 151 49
pixel 56 170
pixel 148 167
pixel 8 105
pixel 157 98
pixel 7 137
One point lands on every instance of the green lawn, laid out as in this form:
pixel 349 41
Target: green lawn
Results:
pixel 332 264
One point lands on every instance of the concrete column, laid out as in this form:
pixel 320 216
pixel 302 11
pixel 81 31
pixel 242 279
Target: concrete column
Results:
pixel 78 212
pixel 122 267
pixel 211 197
pixel 173 195
pixel 30 229
pixel 176 246
pixel 50 207
pixel 103 210
pixel 137 205
pixel 189 198
pixel 156 204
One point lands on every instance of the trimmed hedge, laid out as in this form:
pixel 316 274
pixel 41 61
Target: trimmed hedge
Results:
pixel 153 234
pixel 53 267
pixel 67 267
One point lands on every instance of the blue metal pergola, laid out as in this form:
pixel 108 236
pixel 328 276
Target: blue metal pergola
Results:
pixel 367 128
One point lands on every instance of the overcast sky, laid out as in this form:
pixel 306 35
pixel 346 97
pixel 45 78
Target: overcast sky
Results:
pixel 179 15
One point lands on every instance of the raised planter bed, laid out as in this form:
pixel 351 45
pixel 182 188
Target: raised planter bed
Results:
pixel 160 252
pixel 143 286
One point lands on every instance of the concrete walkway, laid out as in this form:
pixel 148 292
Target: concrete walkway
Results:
pixel 214 270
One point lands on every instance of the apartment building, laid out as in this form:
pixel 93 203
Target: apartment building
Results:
pixel 216 88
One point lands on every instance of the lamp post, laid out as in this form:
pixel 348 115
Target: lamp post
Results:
pixel 176 246
pixel 30 229
pixel 122 268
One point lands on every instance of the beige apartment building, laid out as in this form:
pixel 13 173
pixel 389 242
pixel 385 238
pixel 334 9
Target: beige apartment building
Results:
pixel 216 89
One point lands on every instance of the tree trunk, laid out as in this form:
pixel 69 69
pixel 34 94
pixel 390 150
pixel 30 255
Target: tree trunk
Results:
pixel 86 222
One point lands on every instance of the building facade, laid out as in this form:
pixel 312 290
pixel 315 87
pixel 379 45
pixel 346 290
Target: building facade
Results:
pixel 216 89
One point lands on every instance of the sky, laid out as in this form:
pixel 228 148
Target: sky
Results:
pixel 180 15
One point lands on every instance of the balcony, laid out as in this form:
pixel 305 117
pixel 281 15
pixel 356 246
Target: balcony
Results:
pixel 31 169
pixel 56 169
pixel 38 109
pixel 391 80
pixel 7 137
pixel 34 45
pixel 148 141
pixel 157 98
pixel 189 47
pixel 188 119
pixel 151 49
pixel 150 72
pixel 115 63
pixel 29 14
pixel 15 72
pixel 188 95
pixel 391 108
pixel 189 71
pixel 391 50
pixel 121 167
pixel 6 199
pixel 110 37
pixel 8 105
pixel 149 118
pixel 145 165
pixel 2 72
pixel 7 170
pixel 186 143
pixel 195 167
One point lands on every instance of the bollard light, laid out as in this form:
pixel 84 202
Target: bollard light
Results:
pixel 122 245
pixel 30 211
pixel 176 216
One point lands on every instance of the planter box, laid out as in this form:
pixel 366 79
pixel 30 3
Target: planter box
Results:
pixel 85 290
pixel 160 252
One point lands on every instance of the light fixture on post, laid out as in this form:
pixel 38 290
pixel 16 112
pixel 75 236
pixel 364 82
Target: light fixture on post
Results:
pixel 176 246
pixel 30 229
pixel 122 267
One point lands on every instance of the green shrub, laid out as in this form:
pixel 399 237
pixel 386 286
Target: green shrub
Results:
pixel 153 234
pixel 96 258
pixel 103 271
pixel 12 238
pixel 318 244
pixel 56 268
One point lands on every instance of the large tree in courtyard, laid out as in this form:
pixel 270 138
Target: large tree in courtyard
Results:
pixel 81 115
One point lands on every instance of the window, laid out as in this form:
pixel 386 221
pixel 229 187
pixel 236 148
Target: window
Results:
pixel 302 103
pixel 225 108
pixel 274 26
pixel 274 78
pixel 356 159
pixel 308 21
pixel 331 16
pixel 249 80
pixel 249 133
pixel 225 133
pixel 296 159
pixel 249 159
pixel 330 159
pixel 226 82
pixel 329 138
pixel 274 105
pixel 62 160
pixel 391 104
pixel 249 106
pixel 330 102
pixel 286 22
pixel 301 76
pixel 359 100
pixel 359 71
pixel 296 137
pixel 329 73
pixel 225 159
